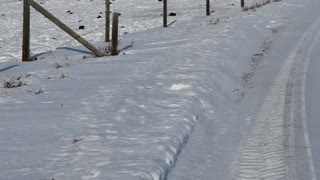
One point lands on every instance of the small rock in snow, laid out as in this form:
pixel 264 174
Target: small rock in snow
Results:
pixel 76 140
pixel 13 82
pixel 69 12
pixel 39 91
pixel 62 76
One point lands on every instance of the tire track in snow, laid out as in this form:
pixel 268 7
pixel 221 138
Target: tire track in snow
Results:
pixel 279 134
pixel 300 155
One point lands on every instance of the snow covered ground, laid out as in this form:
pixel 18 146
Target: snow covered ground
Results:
pixel 173 105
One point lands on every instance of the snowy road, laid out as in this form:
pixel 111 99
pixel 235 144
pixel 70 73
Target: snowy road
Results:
pixel 313 103
pixel 278 145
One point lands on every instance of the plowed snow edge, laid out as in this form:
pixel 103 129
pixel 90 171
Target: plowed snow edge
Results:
pixel 278 144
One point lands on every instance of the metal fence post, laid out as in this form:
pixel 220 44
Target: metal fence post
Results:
pixel 107 35
pixel 208 7
pixel 165 13
pixel 114 47
pixel 26 32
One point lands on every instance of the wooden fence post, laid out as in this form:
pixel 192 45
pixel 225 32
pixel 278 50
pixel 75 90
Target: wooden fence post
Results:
pixel 26 32
pixel 208 7
pixel 165 13
pixel 65 28
pixel 107 35
pixel 114 47
pixel 242 3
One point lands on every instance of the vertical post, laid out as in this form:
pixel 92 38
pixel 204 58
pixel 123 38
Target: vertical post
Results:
pixel 208 7
pixel 114 48
pixel 165 13
pixel 26 31
pixel 107 35
pixel 242 3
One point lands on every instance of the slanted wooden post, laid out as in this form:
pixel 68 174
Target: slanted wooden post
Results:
pixel 115 20
pixel 26 32
pixel 208 7
pixel 107 35
pixel 65 28
pixel 165 13
pixel 242 3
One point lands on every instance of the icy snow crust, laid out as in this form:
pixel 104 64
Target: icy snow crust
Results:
pixel 130 116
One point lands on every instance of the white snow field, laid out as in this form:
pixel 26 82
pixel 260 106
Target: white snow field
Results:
pixel 209 97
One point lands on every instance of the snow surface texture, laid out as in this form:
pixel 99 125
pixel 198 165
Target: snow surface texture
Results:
pixel 166 108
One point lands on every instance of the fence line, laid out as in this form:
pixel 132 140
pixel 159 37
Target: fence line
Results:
pixel 26 30
pixel 96 51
